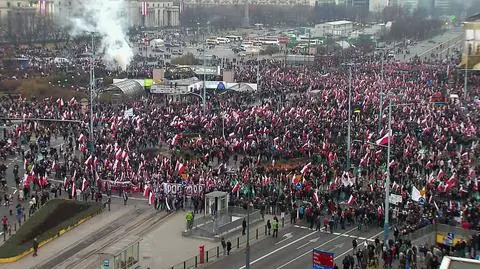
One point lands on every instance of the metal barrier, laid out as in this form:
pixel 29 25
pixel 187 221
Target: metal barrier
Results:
pixel 432 230
pixel 215 253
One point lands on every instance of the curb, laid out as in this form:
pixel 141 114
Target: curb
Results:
pixel 46 241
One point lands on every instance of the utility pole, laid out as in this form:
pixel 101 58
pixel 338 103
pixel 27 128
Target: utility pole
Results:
pixel 465 83
pixel 380 115
pixel 387 182
pixel 246 18
pixel 92 91
pixel 247 248
pixel 349 138
pixel 204 76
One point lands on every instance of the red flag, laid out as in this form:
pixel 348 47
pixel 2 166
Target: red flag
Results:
pixel 351 200
pixel 151 198
pixel 74 189
pixel 60 102
pixel 384 140
pixel 306 168
pixel 84 184
pixel 146 190
pixel 144 8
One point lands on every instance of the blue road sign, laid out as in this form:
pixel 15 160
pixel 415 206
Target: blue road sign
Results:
pixel 221 86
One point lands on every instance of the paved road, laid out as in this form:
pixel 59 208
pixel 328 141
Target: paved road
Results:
pixel 293 248
pixel 426 47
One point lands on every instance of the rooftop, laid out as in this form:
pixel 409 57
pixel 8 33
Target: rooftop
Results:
pixel 338 22
pixel 459 263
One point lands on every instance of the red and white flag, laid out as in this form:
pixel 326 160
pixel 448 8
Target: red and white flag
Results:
pixel 180 168
pixel 144 8
pixel 74 189
pixel 89 160
pixel 82 138
pixel 65 182
pixel 84 184
pixel 306 168
pixel 146 190
pixel 351 200
pixel 236 188
pixel 60 102
pixel 151 198
pixel 384 140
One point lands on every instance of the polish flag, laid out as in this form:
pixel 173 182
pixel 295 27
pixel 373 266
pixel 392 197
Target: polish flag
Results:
pixel 81 138
pixel 43 181
pixel 74 189
pixel 60 102
pixel 306 168
pixel 146 190
pixel 84 184
pixel 95 162
pixel 118 154
pixel 331 186
pixel 151 198
pixel 180 168
pixel 351 200
pixel 315 196
pixel 236 188
pixel 89 160
pixel 441 174
pixel 175 139
pixel 384 140
pixel 144 8
pixel 72 101
pixel 74 176
pixel 65 182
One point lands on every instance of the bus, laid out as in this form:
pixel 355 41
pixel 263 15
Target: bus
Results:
pixel 222 40
pixel 211 41
pixel 269 41
pixel 234 38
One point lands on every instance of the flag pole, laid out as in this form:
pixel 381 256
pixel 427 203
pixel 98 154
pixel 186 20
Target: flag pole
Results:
pixel 349 119
pixel 92 90
pixel 387 182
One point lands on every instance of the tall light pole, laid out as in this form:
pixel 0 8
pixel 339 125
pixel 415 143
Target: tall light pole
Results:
pixel 204 76
pixel 247 248
pixel 349 138
pixel 387 182
pixel 382 73
pixel 92 91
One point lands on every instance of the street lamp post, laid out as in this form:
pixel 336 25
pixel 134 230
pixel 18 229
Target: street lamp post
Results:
pixel 349 120
pixel 247 248
pixel 204 76
pixel 382 73
pixel 92 91
pixel 387 182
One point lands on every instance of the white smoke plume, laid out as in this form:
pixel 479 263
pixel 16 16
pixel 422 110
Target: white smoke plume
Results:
pixel 108 21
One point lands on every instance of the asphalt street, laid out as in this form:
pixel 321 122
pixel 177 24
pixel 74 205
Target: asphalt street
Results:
pixel 294 245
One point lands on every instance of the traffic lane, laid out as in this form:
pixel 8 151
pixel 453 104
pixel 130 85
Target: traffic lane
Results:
pixel 267 246
pixel 338 242
pixel 273 252
pixel 304 260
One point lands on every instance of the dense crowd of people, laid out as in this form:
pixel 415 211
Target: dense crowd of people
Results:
pixel 284 147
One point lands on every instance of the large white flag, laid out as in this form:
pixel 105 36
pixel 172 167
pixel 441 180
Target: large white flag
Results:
pixel 416 195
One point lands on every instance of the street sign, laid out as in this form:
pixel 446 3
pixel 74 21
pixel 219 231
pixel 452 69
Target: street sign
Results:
pixel 221 86
pixel 323 259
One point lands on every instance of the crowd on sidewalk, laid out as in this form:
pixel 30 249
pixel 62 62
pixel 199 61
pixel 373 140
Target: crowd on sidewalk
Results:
pixel 283 148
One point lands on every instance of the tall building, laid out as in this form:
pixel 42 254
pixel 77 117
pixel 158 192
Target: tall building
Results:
pixel 378 5
pixel 443 7
pixel 410 5
pixel 360 4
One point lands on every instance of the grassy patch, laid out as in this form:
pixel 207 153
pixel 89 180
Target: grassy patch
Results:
pixel 56 215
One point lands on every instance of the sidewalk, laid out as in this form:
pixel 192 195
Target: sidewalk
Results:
pixel 165 246
pixel 73 237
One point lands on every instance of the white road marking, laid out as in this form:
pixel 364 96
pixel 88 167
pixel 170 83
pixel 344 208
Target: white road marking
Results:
pixel 369 239
pixel 310 252
pixel 293 242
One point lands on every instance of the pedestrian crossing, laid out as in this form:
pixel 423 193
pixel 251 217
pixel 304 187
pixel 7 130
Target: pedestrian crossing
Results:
pixel 322 230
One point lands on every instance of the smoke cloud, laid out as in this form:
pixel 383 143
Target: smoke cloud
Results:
pixel 108 21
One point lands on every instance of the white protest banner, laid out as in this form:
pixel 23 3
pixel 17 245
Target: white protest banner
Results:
pixel 176 188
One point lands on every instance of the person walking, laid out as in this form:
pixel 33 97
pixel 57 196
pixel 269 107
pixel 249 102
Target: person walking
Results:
pixel 244 226
pixel 229 247
pixel 224 246
pixel 269 226
pixel 125 198
pixel 275 228
pixel 35 247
